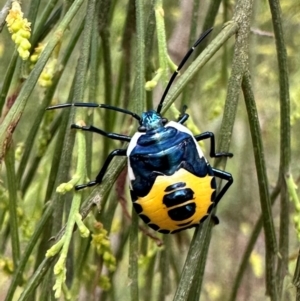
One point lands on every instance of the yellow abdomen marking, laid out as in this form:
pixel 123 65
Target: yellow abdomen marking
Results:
pixel 159 214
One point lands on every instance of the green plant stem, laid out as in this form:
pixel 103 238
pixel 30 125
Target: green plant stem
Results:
pixel 12 118
pixel 46 101
pixel 7 79
pixel 149 43
pixel 127 51
pixel 202 238
pixel 270 237
pixel 27 252
pixel 242 16
pixel 196 287
pixel 36 278
pixel 92 93
pixel 95 198
pixel 60 169
pixel 60 266
pixel 139 106
pixel 73 217
pixel 249 248
pixel 285 142
pixel 188 91
pixel 228 30
pixel 164 269
pixel 148 290
pixel 190 266
pixel 4 13
pixel 161 40
pixel 133 272
pixel 296 280
pixel 13 204
pixel 38 30
pixel 77 92
pixel 33 13
pixel 209 21
pixel 107 64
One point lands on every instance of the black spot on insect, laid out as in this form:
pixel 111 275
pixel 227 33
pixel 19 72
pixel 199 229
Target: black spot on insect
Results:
pixel 213 196
pixel 175 186
pixel 154 227
pixel 183 212
pixel 215 219
pixel 164 231
pixel 133 195
pixel 184 228
pixel 210 208
pixel 203 218
pixel 138 208
pixel 145 218
pixel 178 197
pixel 213 183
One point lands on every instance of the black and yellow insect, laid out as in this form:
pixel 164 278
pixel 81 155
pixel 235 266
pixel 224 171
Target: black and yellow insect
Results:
pixel 172 185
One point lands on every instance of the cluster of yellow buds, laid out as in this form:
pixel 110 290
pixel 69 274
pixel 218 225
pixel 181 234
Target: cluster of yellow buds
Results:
pixel 19 151
pixel 104 283
pixel 36 54
pixel 6 265
pixel 20 29
pixel 102 245
pixel 45 79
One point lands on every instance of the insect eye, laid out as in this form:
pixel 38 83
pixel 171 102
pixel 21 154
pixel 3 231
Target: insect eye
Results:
pixel 164 121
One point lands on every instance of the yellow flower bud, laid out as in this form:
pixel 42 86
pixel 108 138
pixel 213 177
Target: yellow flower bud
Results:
pixel 24 54
pixel 24 33
pixel 16 26
pixel 20 29
pixel 25 44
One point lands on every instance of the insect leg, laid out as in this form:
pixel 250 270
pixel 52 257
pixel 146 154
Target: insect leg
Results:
pixel 183 117
pixel 91 128
pixel 99 178
pixel 224 176
pixel 211 136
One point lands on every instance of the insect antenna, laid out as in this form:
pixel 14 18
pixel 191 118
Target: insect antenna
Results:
pixel 188 54
pixel 95 105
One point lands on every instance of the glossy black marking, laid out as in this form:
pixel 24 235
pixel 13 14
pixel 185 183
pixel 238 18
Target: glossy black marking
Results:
pixel 215 219
pixel 213 183
pixel 133 195
pixel 203 219
pixel 138 208
pixel 164 231
pixel 184 228
pixel 213 196
pixel 145 218
pixel 178 197
pixel 183 212
pixel 184 224
pixel 154 227
pixel 175 186
pixel 210 208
